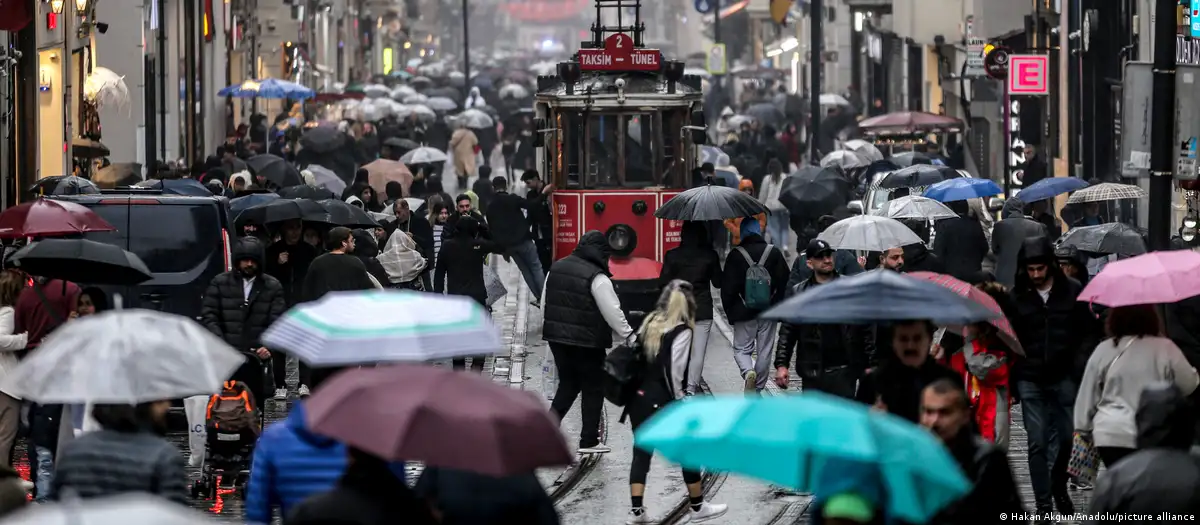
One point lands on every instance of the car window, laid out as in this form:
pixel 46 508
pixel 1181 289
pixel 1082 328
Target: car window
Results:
pixel 169 238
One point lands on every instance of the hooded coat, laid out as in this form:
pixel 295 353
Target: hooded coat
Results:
pixel 572 316
pixel 696 262
pixel 1053 332
pixel 1008 236
pixel 459 269
pixel 466 498
pixel 232 315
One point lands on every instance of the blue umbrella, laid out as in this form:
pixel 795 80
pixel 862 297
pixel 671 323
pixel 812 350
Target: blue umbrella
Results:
pixel 1050 188
pixel 254 199
pixel 962 189
pixel 267 88
pixel 878 296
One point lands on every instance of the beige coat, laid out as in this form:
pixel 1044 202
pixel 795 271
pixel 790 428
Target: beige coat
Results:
pixel 462 147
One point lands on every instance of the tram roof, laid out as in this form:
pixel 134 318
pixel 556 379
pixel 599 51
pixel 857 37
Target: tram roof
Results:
pixel 603 86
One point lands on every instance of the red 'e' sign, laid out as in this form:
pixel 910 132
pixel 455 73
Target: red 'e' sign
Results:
pixel 1028 75
pixel 619 55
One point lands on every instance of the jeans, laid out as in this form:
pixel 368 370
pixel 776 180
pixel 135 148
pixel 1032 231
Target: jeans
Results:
pixel 778 228
pixel 699 345
pixel 750 337
pixel 1047 413
pixel 580 370
pixel 279 369
pixel 526 256
pixel 44 472
pixel 545 253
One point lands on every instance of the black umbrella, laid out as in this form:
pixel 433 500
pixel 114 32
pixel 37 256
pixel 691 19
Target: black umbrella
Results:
pixel 710 203
pixel 276 170
pixel 64 185
pixel 121 174
pixel 766 113
pixel 311 193
pixel 190 187
pixel 1113 237
pixel 83 148
pixel 81 261
pixel 447 92
pixel 322 139
pixel 404 144
pixel 813 192
pixel 908 158
pixel 917 175
pixel 343 214
pixel 281 210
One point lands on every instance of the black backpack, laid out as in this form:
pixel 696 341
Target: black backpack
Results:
pixel 623 371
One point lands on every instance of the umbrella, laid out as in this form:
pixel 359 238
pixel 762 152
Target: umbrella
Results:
pixel 190 187
pixel 445 92
pixel 325 179
pixel 1113 237
pixel 1106 191
pixel 833 99
pixel 276 170
pixel 710 203
pixel 423 155
pixel 124 356
pixel 311 193
pixel 267 88
pixel 354 328
pixel 415 98
pixel 280 210
pixel 118 174
pixel 909 123
pixel 122 509
pixel 81 261
pixel 767 113
pixel 915 207
pixel 807 440
pixel 323 139
pixel 47 218
pixel 962 189
pixel 813 192
pixel 868 232
pixel 239 204
pixel 382 171
pixel 441 104
pixel 414 203
pixel 917 175
pixel 106 89
pixel 475 119
pixel 397 142
pixel 423 112
pixel 844 159
pixel 908 158
pixel 696 72
pixel 714 156
pixel 878 296
pixel 863 148
pixel 736 121
pixel 421 80
pixel 376 90
pixel 64 185
pixel 400 92
pixel 1003 328
pixel 513 91
pixel 343 214
pixel 1153 278
pixel 1049 188
pixel 85 148
pixel 441 417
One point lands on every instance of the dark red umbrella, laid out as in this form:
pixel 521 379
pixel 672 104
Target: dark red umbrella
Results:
pixel 909 122
pixel 48 218
pixel 440 417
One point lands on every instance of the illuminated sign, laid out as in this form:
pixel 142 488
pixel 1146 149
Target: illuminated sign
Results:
pixel 619 55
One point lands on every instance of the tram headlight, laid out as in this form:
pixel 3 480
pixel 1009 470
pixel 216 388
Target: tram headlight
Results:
pixel 622 239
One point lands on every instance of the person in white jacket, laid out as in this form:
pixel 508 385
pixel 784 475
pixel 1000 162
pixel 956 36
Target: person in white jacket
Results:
pixel 11 284
pixel 777 224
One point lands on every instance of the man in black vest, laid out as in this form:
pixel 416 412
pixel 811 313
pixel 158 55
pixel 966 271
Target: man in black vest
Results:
pixel 582 313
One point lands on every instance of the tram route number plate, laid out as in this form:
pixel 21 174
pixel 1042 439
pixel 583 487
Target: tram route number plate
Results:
pixel 620 55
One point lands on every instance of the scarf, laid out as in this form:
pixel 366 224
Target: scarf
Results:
pixel 401 260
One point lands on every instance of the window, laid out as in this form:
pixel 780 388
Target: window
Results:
pixel 168 238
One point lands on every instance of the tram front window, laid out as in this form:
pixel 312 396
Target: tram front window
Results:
pixel 603 151
pixel 620 150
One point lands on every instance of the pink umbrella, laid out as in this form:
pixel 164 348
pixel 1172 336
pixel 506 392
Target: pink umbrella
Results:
pixel 963 288
pixel 1153 278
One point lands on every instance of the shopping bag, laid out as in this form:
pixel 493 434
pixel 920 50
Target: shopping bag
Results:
pixel 493 284
pixel 195 407
pixel 549 376
pixel 1084 461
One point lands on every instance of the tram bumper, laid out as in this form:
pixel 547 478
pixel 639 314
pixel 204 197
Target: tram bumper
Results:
pixel 636 282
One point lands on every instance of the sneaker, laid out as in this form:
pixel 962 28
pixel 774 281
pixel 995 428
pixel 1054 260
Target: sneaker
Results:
pixel 595 449
pixel 1079 485
pixel 751 381
pixel 638 515
pixel 281 394
pixel 707 512
pixel 304 391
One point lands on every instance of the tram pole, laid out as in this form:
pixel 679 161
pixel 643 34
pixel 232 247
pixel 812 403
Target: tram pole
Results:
pixel 1162 128
pixel 718 80
pixel 816 16
pixel 466 47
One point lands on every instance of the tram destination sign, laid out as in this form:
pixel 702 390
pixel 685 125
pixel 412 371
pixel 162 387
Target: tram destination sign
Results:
pixel 620 55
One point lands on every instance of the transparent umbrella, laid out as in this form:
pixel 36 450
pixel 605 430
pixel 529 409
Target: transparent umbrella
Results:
pixel 441 104
pixel 125 509
pixel 870 233
pixel 915 207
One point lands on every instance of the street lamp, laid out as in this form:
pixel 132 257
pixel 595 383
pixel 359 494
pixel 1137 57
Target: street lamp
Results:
pixel 82 7
pixel 56 6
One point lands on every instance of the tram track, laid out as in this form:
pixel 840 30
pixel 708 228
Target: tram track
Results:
pixel 710 483
pixel 794 513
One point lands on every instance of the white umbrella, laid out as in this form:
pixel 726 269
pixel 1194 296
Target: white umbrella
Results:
pixel 868 232
pixel 845 159
pixel 1107 191
pixel 441 104
pixel 415 98
pixel 106 88
pixel 423 112
pixel 475 119
pixel 400 92
pixel 544 68
pixel 423 155
pixel 695 71
pixel 915 207
pixel 414 203
pixel 327 179
pixel 376 90
pixel 456 75
pixel 737 120
pixel 353 328
pixel 124 509
pixel 832 99
pixel 513 91
pixel 124 356
pixel 863 148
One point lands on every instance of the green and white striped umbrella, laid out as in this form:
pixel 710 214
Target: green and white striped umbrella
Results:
pixel 383 326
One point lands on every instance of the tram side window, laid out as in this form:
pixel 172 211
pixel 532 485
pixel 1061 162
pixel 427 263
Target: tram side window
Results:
pixel 604 151
pixel 573 148
pixel 639 150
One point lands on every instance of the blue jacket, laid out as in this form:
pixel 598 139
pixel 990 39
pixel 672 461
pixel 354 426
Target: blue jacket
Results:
pixel 290 464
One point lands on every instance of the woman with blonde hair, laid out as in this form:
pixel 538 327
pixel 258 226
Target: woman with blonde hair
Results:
pixel 666 339
pixel 11 284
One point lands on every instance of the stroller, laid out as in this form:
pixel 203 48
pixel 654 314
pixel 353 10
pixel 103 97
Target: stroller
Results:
pixel 233 423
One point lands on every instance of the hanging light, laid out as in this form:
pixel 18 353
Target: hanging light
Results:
pixel 81 7
pixel 56 6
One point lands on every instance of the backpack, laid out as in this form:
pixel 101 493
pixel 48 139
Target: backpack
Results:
pixel 758 280
pixel 232 411
pixel 623 371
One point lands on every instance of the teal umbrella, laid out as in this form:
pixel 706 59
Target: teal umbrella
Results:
pixel 796 441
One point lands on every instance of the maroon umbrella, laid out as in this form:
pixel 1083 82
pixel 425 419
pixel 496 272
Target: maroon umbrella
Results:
pixel 440 417
pixel 909 122
pixel 48 218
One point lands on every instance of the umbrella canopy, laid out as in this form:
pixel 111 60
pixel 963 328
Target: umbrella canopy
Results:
pixel 48 218
pixel 813 192
pixel 962 189
pixel 445 92
pixel 404 144
pixel 513 91
pixel 714 156
pixel 1113 237
pixel 420 81
pixel 917 175
pixel 399 92
pixel 1003 328
pixel 382 171
pixel 846 160
pixel 1049 188
pixel 311 193
pixel 85 148
pixel 81 261
pixel 123 509
pixel 805 441
pixel 710 203
pixel 190 187
pixel 124 356
pixel 276 170
pixel 767 113
pixel 415 98
pixel 239 204
pixel 267 88
pixel 878 296
pixel 64 185
pixel 909 123
pixel 441 104
pixel 323 139
pixel 119 174
pixel 441 417
pixel 908 158
pixel 281 210
pixel 376 90
pixel 915 207
pixel 1153 278
pixel 864 148
pixel 868 232
pixel 326 179
pixel 833 99
pixel 343 214
pixel 475 119
pixel 354 328
pixel 423 155
pixel 1106 191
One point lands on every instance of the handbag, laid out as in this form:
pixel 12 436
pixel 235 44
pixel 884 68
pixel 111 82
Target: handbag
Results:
pixel 1084 462
pixel 494 286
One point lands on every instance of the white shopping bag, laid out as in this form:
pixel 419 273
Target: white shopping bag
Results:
pixel 195 408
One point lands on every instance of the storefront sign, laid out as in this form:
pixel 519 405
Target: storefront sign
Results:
pixel 566 222
pixel 1028 75
pixel 1187 50
pixel 619 55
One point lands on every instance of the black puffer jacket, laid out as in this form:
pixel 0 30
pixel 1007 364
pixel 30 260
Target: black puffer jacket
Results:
pixel 572 316
pixel 227 312
pixel 1053 332
pixel 696 262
